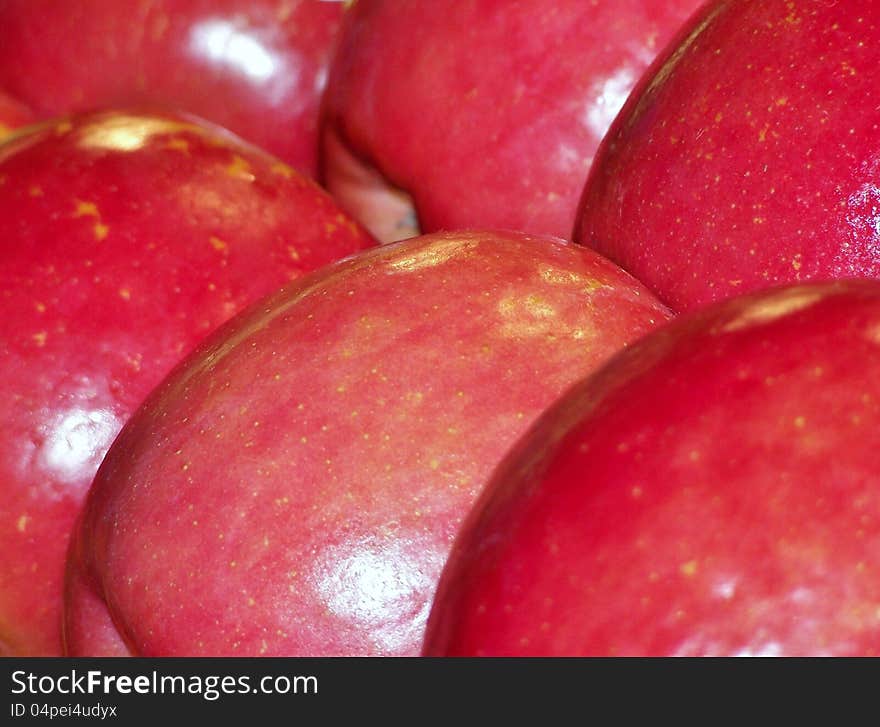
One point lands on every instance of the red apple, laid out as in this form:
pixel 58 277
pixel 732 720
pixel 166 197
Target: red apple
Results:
pixel 257 67
pixel 13 114
pixel 293 488
pixel 480 113
pixel 750 157
pixel 126 237
pixel 713 490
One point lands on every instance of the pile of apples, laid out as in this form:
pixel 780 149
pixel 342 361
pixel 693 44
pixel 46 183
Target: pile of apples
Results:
pixel 439 327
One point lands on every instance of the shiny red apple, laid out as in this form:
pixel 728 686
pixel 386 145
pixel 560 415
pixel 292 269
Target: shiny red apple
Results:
pixel 750 157
pixel 294 487
pixel 257 67
pixel 126 237
pixel 713 490
pixel 13 113
pixel 481 113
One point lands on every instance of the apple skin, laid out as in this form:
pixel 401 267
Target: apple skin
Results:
pixel 126 238
pixel 13 113
pixel 293 488
pixel 750 156
pixel 714 490
pixel 480 113
pixel 257 67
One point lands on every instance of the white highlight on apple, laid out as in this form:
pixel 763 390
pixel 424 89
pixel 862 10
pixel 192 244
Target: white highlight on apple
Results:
pixel 220 41
pixel 864 214
pixel 125 132
pixel 76 441
pixel 772 307
pixel 607 99
pixel 373 581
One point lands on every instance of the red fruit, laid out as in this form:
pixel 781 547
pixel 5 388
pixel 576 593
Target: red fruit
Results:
pixel 13 114
pixel 480 113
pixel 257 67
pixel 126 237
pixel 294 487
pixel 713 490
pixel 751 157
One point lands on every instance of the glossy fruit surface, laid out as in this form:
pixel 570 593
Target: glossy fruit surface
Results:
pixel 294 487
pixel 257 67
pixel 125 237
pixel 480 113
pixel 751 157
pixel 713 490
pixel 13 114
